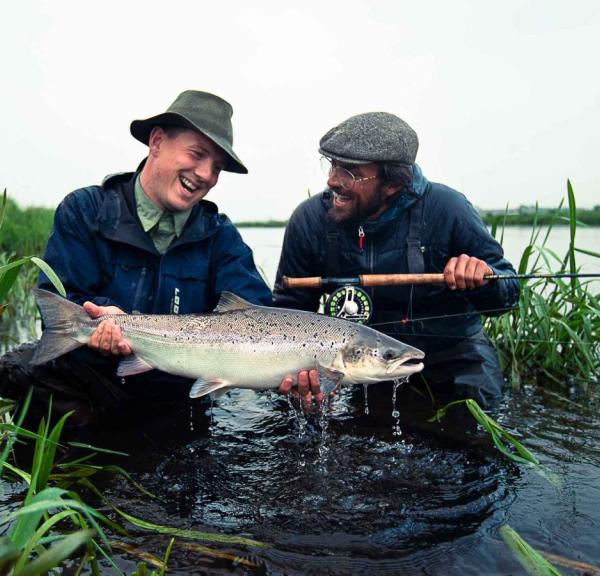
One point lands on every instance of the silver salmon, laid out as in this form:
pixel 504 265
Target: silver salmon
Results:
pixel 239 345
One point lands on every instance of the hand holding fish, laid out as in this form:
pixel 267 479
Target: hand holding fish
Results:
pixel 107 338
pixel 466 272
pixel 307 389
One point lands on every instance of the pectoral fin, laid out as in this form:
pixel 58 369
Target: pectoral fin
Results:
pixel 202 387
pixel 333 376
pixel 131 365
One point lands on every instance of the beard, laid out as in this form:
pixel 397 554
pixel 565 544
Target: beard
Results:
pixel 359 208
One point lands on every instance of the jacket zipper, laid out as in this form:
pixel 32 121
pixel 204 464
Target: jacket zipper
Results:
pixel 361 237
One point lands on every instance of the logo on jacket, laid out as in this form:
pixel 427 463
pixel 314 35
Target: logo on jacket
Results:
pixel 175 302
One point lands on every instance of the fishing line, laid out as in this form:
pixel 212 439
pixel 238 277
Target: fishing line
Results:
pixel 408 319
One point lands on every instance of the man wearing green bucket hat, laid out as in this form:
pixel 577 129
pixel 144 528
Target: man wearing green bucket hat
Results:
pixel 148 242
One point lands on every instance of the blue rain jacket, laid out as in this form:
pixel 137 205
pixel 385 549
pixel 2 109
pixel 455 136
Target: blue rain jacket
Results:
pixel 101 253
pixel 431 317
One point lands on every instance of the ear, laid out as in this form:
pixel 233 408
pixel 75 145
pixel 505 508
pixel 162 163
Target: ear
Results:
pixel 157 135
pixel 390 190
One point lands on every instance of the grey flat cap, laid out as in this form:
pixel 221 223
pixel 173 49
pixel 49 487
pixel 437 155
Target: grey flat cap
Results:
pixel 371 137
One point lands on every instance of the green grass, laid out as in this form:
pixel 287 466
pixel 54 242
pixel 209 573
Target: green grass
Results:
pixel 53 521
pixel 25 230
pixel 552 338
pixel 532 561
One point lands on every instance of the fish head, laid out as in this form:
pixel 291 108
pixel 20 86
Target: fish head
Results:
pixel 375 357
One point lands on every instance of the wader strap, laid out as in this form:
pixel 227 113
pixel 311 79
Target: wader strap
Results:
pixel 414 254
pixel 332 250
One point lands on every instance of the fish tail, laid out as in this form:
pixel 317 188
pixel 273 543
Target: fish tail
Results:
pixel 59 316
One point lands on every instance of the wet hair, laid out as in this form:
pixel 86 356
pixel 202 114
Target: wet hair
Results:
pixel 397 174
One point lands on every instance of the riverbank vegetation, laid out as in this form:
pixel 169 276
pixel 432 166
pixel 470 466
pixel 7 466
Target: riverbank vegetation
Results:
pixel 535 215
pixel 552 337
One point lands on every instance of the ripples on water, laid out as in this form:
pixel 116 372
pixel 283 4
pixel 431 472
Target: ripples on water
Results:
pixel 373 494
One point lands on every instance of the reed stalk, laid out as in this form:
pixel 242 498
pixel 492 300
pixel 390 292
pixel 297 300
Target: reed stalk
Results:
pixel 552 338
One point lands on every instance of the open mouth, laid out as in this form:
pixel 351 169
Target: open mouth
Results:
pixel 341 199
pixel 188 185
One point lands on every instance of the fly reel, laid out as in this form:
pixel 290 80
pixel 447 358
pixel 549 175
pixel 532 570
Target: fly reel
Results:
pixel 351 303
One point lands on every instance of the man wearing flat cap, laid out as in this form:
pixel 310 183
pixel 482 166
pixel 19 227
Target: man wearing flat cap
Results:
pixel 148 242
pixel 380 215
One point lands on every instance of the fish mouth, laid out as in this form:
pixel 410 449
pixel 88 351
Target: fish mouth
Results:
pixel 408 364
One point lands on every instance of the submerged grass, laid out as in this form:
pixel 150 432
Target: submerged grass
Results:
pixel 532 561
pixel 502 439
pixel 53 520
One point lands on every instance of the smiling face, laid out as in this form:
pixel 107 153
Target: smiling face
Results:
pixel 182 166
pixel 366 199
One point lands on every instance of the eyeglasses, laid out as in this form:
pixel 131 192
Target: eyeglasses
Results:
pixel 346 179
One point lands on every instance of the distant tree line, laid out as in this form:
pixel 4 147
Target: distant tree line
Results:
pixel 527 215
pixel 26 230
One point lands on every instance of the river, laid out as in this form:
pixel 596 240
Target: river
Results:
pixel 369 494
pixel 358 493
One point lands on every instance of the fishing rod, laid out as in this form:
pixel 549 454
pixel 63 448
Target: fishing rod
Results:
pixel 349 300
pixel 404 279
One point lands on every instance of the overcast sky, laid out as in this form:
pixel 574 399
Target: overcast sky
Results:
pixel 505 96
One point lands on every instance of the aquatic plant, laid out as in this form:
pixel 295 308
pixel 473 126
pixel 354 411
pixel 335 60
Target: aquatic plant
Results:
pixel 33 544
pixel 531 560
pixel 502 439
pixel 16 280
pixel 553 335
pixel 53 520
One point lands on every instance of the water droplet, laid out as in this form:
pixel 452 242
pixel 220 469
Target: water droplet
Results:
pixel 365 387
pixel 397 431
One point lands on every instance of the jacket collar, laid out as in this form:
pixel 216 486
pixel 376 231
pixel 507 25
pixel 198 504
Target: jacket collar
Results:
pixel 117 219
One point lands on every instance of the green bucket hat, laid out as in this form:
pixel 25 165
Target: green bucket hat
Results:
pixel 200 111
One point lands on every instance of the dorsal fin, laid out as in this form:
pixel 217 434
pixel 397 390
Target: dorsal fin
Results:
pixel 230 302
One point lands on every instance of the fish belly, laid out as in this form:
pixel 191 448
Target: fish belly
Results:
pixel 243 365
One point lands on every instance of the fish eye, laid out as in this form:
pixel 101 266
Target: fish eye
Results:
pixel 389 355
pixel 357 351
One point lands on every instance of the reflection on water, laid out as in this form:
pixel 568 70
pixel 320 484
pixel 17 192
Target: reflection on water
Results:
pixel 358 498
pixel 429 501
